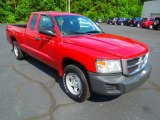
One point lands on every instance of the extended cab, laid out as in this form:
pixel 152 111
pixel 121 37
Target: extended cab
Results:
pixel 88 59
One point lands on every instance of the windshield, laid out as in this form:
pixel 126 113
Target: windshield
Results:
pixel 144 19
pixel 151 19
pixel 121 19
pixel 73 25
pixel 138 19
pixel 115 18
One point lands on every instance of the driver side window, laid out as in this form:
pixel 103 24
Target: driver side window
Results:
pixel 45 23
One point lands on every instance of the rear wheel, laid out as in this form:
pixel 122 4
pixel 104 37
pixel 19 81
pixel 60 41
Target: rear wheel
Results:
pixel 75 83
pixel 17 51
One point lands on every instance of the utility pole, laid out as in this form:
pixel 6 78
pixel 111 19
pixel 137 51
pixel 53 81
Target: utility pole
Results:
pixel 66 6
pixel 69 6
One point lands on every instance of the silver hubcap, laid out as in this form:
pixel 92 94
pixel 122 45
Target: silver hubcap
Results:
pixel 138 25
pixel 73 83
pixel 15 51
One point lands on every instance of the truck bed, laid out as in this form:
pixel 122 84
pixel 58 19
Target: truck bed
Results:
pixel 20 25
pixel 17 31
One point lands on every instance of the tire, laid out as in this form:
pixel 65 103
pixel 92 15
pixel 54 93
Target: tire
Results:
pixel 17 51
pixel 155 28
pixel 156 22
pixel 76 73
pixel 138 25
pixel 151 27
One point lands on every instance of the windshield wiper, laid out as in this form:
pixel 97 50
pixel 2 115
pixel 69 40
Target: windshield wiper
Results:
pixel 93 31
pixel 77 32
pixel 73 33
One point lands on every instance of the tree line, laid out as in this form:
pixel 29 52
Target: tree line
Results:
pixel 13 11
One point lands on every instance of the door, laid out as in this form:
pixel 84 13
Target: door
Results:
pixel 39 45
pixel 31 33
pixel 45 43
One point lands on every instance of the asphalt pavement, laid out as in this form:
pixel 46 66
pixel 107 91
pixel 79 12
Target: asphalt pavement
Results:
pixel 30 90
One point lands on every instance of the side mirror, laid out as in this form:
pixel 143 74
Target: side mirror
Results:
pixel 47 32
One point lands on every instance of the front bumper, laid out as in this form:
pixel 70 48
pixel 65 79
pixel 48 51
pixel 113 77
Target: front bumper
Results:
pixel 145 25
pixel 117 84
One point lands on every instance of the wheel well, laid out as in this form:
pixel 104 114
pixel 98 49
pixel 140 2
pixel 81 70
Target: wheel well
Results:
pixel 13 39
pixel 68 61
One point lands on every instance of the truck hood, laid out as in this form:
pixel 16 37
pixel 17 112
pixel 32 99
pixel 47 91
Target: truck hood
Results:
pixel 111 44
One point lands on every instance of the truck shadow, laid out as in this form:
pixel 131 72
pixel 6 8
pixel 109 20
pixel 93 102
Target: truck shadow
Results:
pixel 54 74
pixel 101 98
pixel 43 67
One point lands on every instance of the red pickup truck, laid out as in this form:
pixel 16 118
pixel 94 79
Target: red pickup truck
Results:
pixel 88 59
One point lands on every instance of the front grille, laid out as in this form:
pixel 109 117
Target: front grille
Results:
pixel 132 62
pixel 134 65
pixel 132 69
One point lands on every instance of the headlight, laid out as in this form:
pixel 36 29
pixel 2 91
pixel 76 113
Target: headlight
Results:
pixel 108 66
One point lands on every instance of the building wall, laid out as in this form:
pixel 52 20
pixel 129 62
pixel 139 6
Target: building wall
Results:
pixel 151 9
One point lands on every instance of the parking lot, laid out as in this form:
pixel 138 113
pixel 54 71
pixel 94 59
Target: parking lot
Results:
pixel 30 90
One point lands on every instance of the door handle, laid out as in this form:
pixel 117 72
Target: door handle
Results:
pixel 37 38
pixel 45 39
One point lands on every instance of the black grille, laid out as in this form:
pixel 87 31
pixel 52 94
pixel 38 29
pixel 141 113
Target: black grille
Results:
pixel 132 69
pixel 132 62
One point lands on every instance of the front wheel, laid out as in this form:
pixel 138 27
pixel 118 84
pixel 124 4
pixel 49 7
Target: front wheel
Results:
pixel 75 83
pixel 155 28
pixel 151 27
pixel 138 25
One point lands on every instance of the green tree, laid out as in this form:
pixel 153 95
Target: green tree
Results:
pixel 12 11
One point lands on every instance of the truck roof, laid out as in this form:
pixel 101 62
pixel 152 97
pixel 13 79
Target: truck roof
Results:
pixel 54 13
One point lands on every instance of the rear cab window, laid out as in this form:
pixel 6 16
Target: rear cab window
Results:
pixel 33 21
